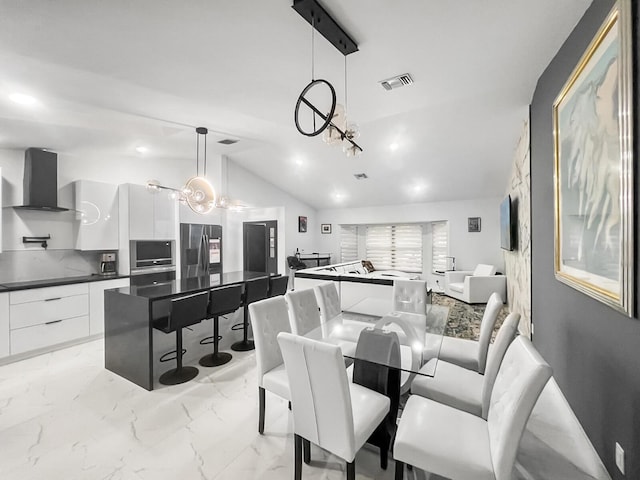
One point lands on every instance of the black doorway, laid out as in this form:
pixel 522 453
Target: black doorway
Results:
pixel 260 241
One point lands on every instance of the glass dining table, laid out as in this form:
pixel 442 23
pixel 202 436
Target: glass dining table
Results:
pixel 386 349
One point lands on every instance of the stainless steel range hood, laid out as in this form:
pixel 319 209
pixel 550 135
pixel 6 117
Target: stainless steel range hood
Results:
pixel 40 181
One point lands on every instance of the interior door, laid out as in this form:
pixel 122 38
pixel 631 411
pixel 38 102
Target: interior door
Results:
pixel 261 246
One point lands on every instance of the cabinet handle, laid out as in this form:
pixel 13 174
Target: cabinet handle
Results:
pixel 52 299
pixel 52 322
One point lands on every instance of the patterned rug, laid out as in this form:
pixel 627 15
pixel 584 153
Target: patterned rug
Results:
pixel 464 319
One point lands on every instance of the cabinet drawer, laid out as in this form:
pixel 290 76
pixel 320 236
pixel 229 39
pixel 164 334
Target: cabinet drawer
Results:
pixel 40 336
pixel 40 312
pixel 36 294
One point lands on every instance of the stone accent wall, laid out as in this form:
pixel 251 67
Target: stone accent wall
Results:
pixel 518 261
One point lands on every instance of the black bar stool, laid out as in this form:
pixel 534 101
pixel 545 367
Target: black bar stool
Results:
pixel 222 300
pixel 254 290
pixel 278 285
pixel 184 311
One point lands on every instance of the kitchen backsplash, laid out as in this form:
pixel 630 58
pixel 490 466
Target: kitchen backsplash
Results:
pixel 18 266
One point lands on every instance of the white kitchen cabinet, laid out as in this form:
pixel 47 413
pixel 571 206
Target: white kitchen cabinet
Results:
pixel 44 317
pixel 96 302
pixel 152 215
pixel 4 325
pixel 97 215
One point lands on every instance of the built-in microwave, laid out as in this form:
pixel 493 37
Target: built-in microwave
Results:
pixel 149 256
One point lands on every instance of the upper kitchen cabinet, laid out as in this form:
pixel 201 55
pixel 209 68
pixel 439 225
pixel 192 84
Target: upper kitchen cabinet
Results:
pixel 97 215
pixel 152 215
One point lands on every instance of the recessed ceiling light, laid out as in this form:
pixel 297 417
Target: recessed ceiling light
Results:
pixel 338 196
pixel 22 99
pixel 299 162
pixel 142 149
pixel 393 146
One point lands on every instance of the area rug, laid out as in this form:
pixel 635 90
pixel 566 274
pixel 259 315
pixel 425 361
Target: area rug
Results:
pixel 464 319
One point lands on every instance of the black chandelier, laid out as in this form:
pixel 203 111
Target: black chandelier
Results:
pixel 329 118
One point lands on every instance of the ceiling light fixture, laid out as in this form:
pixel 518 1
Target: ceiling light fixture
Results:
pixel 23 99
pixel 142 149
pixel 332 115
pixel 198 192
pixel 393 147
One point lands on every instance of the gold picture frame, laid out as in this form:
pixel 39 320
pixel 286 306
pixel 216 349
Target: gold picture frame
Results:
pixel 593 174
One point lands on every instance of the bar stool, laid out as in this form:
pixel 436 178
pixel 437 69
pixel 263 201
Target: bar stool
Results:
pixel 278 285
pixel 222 300
pixel 254 290
pixel 184 311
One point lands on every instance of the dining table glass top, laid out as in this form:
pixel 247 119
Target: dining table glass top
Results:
pixel 370 337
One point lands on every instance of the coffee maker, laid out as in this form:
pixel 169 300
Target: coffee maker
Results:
pixel 108 264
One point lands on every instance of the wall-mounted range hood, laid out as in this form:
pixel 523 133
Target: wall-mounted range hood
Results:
pixel 41 181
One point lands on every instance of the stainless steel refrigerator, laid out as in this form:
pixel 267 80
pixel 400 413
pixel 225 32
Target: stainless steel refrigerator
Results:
pixel 200 249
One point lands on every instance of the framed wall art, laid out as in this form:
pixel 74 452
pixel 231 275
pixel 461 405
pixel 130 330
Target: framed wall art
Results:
pixel 325 228
pixel 594 168
pixel 473 224
pixel 302 224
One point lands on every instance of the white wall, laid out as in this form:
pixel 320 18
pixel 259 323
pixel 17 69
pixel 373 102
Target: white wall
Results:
pixel 468 248
pixel 19 223
pixel 270 203
pixel 267 201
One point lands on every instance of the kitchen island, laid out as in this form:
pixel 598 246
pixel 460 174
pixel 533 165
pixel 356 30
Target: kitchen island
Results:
pixel 132 346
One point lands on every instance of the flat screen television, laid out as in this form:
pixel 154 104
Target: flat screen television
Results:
pixel 507 240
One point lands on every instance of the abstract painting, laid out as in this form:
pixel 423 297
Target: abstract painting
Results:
pixel 593 168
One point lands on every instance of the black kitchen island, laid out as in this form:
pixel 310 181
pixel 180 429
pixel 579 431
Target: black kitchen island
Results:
pixel 132 347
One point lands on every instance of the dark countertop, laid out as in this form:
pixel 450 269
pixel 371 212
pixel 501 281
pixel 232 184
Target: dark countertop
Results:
pixel 52 282
pixel 172 288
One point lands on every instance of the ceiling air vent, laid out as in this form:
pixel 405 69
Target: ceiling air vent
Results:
pixel 227 141
pixel 360 176
pixel 397 81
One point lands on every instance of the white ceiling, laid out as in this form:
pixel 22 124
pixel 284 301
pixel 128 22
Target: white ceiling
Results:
pixel 113 75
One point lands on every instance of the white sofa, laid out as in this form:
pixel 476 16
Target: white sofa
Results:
pixel 475 286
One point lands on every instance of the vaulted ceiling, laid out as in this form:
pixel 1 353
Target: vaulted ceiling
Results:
pixel 110 76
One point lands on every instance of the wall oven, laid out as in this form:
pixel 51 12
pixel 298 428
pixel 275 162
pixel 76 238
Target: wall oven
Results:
pixel 152 261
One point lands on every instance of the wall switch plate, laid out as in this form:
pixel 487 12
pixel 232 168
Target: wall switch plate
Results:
pixel 619 457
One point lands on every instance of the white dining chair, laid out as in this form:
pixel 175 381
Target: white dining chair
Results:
pixel 472 354
pixel 328 300
pixel 462 388
pixel 304 312
pixel 456 444
pixel 328 411
pixel 304 315
pixel 410 296
pixel 269 317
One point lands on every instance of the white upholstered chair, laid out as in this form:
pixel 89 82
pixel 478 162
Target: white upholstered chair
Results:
pixel 328 410
pixel 456 444
pixel 472 354
pixel 466 389
pixel 304 312
pixel 269 317
pixel 410 296
pixel 328 300
pixel 475 286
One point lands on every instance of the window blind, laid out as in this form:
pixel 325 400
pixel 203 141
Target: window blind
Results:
pixel 439 246
pixel 348 243
pixel 397 247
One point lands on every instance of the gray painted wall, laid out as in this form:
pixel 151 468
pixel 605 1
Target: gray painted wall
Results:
pixel 594 351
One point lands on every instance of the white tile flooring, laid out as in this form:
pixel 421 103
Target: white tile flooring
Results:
pixel 63 416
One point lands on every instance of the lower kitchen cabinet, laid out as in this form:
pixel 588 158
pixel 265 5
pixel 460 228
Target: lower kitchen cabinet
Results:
pixel 96 302
pixel 4 324
pixel 39 319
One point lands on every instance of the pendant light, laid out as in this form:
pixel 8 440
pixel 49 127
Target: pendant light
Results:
pixel 198 192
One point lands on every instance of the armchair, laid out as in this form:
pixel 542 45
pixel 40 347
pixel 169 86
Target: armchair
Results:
pixel 475 286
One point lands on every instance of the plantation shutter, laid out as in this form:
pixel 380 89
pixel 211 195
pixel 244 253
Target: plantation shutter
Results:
pixel 439 246
pixel 397 247
pixel 348 243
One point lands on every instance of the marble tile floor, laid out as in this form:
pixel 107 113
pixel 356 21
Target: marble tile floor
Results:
pixel 63 416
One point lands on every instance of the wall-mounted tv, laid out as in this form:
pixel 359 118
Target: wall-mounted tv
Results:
pixel 507 231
